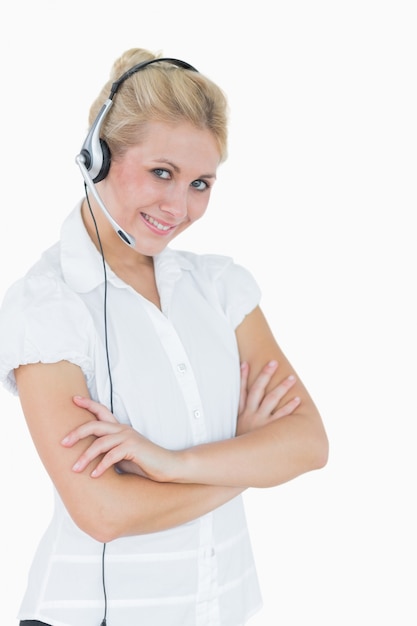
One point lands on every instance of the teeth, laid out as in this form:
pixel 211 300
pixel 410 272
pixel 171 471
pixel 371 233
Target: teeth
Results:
pixel 159 226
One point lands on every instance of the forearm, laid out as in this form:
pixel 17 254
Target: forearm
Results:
pixel 265 457
pixel 127 504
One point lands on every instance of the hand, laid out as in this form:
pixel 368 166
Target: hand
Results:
pixel 256 407
pixel 120 444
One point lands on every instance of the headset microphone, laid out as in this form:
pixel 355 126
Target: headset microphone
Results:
pixel 94 158
pixel 129 239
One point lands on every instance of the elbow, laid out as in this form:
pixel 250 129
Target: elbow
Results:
pixel 101 513
pixel 103 533
pixel 98 527
pixel 311 452
pixel 315 443
pixel 319 452
pixel 98 520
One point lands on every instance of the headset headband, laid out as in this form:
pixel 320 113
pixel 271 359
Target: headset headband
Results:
pixel 139 66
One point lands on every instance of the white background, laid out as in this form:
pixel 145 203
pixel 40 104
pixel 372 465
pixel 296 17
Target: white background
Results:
pixel 317 199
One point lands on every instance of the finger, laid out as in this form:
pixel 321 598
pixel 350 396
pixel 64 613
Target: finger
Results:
pixel 258 387
pixel 98 410
pixel 119 450
pixel 108 446
pixel 244 375
pixel 98 429
pixel 287 409
pixel 273 398
pixel 113 457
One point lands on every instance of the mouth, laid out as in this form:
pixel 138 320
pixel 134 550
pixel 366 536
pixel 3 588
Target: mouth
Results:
pixel 158 225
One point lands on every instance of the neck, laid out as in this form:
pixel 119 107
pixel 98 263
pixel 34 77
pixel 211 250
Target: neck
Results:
pixel 134 269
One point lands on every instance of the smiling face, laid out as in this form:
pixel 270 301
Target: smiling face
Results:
pixel 162 185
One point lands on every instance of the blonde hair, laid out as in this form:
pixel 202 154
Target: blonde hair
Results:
pixel 160 92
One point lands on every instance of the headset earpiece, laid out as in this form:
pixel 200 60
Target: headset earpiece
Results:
pixel 95 152
pixel 106 161
pixel 102 163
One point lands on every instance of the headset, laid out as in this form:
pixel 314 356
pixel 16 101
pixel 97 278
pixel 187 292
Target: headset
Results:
pixel 94 162
pixel 94 158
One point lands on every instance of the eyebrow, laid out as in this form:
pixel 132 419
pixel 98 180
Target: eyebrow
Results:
pixel 178 170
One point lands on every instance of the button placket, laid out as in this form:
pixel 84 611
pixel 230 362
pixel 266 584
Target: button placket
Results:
pixel 183 372
pixel 207 603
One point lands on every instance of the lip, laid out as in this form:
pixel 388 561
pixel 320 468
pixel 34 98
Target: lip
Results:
pixel 157 226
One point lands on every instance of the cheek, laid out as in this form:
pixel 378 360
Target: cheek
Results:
pixel 198 207
pixel 130 185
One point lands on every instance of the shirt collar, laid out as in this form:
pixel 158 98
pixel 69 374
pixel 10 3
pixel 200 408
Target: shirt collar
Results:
pixel 82 264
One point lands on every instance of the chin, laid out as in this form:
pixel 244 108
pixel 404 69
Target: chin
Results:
pixel 150 251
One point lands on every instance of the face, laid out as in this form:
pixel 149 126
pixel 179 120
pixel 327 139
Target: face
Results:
pixel 161 186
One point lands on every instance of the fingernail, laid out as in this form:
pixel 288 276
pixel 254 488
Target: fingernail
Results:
pixel 76 466
pixel 272 363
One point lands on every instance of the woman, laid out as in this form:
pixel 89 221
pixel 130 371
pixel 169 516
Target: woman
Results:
pixel 151 383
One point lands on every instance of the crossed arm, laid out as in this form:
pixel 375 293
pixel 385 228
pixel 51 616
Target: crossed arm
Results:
pixel 280 435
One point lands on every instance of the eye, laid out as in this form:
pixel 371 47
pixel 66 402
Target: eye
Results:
pixel 200 185
pixel 161 173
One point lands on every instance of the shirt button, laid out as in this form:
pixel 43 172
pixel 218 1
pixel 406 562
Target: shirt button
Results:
pixel 197 414
pixel 181 367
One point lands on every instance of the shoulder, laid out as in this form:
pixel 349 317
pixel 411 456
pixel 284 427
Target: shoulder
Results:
pixel 220 269
pixel 229 284
pixel 42 294
pixel 46 265
pixel 211 266
pixel 41 284
pixel 43 320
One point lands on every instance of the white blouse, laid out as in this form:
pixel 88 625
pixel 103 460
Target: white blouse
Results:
pixel 175 378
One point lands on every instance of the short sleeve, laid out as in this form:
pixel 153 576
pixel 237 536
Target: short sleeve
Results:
pixel 237 289
pixel 42 320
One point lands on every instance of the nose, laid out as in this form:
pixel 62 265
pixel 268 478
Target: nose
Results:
pixel 175 201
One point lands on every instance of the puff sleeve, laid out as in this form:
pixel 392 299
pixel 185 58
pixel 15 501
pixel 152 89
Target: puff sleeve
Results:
pixel 237 291
pixel 42 320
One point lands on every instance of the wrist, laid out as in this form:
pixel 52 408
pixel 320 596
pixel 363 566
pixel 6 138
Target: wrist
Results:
pixel 180 470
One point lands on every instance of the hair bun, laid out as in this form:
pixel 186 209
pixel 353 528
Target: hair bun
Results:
pixel 129 59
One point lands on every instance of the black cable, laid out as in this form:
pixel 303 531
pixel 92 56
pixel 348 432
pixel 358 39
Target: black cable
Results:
pixel 105 298
pixel 103 577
